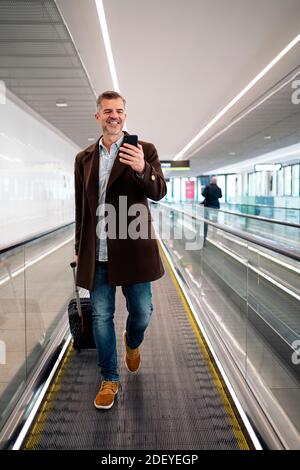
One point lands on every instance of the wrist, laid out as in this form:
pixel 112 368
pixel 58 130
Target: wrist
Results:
pixel 141 172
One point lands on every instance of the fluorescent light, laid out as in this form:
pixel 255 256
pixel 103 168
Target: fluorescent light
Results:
pixel 110 58
pixel 244 114
pixel 267 137
pixel 91 139
pixel 238 96
pixel 61 104
pixel 108 48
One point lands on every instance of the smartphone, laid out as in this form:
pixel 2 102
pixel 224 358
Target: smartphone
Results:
pixel 130 139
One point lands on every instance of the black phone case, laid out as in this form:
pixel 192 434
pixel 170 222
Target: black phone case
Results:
pixel 131 139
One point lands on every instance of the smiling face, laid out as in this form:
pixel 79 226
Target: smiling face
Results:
pixel 111 116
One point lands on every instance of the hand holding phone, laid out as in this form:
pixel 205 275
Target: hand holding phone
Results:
pixel 132 157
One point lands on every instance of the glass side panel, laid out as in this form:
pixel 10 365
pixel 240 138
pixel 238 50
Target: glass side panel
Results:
pixel 36 285
pixel 246 296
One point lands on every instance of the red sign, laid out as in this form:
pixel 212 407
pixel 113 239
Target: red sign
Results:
pixel 190 189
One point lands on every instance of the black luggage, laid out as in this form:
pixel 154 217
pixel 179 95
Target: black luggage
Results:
pixel 80 319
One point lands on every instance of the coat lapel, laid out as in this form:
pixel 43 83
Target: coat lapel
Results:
pixel 92 171
pixel 116 170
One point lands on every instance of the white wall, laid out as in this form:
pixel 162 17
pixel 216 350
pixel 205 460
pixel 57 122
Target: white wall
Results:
pixel 36 174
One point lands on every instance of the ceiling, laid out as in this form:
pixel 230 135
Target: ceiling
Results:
pixel 39 63
pixel 268 124
pixel 178 64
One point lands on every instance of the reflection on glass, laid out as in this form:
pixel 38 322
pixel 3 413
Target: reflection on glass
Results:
pixel 35 287
pixel 288 180
pixel 12 328
pixel 295 179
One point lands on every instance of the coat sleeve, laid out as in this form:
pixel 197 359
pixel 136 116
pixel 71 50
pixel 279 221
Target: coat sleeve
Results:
pixel 78 202
pixel 204 192
pixel 153 181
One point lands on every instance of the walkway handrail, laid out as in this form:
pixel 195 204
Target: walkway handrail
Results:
pixel 262 205
pixel 36 237
pixel 258 217
pixel 238 233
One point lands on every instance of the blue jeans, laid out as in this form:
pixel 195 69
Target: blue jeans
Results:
pixel 139 305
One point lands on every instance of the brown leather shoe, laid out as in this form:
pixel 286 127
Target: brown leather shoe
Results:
pixel 105 398
pixel 132 357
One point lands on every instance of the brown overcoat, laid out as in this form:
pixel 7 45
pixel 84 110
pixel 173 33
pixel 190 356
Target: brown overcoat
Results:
pixel 130 260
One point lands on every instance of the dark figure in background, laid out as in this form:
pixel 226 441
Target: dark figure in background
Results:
pixel 212 193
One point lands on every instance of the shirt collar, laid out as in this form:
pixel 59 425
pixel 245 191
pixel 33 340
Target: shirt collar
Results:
pixel 118 143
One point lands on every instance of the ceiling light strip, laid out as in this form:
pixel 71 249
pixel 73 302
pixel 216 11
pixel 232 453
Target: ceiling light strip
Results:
pixel 239 96
pixel 108 49
pixel 244 114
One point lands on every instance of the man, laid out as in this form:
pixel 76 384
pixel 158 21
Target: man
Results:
pixel 113 179
pixel 212 193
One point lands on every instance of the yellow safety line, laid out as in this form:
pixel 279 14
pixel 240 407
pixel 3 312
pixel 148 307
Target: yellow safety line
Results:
pixel 214 371
pixel 37 428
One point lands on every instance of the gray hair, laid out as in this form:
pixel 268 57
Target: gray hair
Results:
pixel 109 95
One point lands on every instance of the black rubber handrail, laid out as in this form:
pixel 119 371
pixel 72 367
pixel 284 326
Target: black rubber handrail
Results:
pixel 36 237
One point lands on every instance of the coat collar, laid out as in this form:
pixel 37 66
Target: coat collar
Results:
pixel 92 182
pixel 92 148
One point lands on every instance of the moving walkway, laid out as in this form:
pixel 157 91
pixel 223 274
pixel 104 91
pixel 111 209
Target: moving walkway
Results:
pixel 180 399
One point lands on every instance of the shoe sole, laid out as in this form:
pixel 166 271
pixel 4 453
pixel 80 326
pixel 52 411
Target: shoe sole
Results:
pixel 131 371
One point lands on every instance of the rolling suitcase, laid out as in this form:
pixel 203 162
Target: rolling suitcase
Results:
pixel 80 319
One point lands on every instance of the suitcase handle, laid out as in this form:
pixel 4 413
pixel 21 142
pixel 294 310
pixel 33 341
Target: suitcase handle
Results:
pixel 73 266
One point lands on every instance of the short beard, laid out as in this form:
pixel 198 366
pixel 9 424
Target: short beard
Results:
pixel 117 131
